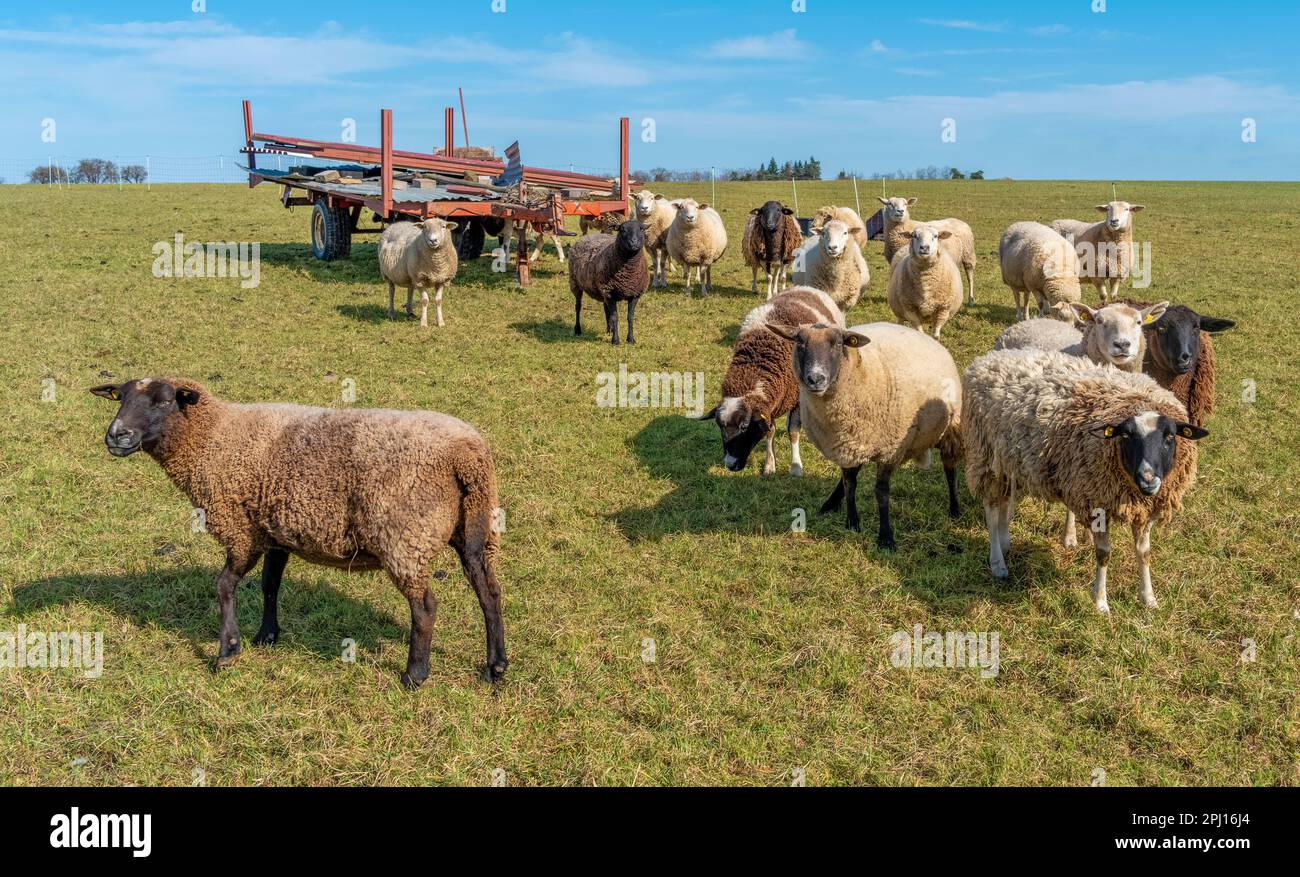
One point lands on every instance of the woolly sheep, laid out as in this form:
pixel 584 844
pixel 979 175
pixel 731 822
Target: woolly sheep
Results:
pixel 760 385
pixel 831 262
pixel 418 255
pixel 924 282
pixel 1105 248
pixel 353 489
pixel 610 269
pixel 1112 446
pixel 1037 261
pixel 898 233
pixel 846 215
pixel 876 393
pixel 697 239
pixel 772 238
pixel 1180 356
pixel 1111 335
pixel 656 214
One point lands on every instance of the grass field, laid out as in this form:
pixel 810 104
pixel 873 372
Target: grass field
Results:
pixel 771 647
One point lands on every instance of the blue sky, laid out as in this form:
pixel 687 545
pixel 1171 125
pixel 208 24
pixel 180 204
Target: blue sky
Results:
pixel 1143 90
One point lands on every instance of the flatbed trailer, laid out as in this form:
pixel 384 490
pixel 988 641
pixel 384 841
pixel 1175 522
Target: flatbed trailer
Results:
pixel 516 198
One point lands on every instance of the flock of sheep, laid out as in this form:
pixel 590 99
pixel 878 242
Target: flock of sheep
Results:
pixel 1096 409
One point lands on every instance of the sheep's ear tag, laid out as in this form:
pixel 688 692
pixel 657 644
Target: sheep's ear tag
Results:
pixel 1108 432
pixel 1187 432
pixel 1148 319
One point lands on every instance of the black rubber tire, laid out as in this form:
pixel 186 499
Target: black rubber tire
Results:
pixel 470 238
pixel 331 232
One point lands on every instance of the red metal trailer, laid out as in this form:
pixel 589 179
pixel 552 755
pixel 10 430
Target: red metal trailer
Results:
pixel 485 195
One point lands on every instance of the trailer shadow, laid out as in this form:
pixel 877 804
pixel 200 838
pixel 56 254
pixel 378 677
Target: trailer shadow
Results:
pixel 706 500
pixel 314 615
pixel 361 265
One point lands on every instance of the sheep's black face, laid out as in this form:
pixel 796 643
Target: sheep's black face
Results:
pixel 146 406
pixel 742 428
pixel 1175 338
pixel 770 215
pixel 1148 443
pixel 819 351
pixel 631 237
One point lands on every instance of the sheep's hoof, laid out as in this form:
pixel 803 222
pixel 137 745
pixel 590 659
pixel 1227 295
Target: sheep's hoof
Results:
pixel 494 672
pixel 1000 573
pixel 885 542
pixel 853 524
pixel 1103 607
pixel 266 637
pixel 1151 602
pixel 412 681
pixel 796 471
pixel 1070 542
pixel 769 468
pixel 225 660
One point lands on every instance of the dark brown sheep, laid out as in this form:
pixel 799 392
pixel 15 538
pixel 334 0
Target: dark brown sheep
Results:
pixel 1180 356
pixel 760 385
pixel 354 489
pixel 610 270
pixel 772 237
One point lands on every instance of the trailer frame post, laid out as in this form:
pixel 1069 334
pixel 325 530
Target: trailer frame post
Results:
pixel 386 159
pixel 449 131
pixel 248 140
pixel 623 159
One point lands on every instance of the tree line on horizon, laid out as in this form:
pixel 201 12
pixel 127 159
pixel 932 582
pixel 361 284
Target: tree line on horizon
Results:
pixel 88 170
pixel 798 170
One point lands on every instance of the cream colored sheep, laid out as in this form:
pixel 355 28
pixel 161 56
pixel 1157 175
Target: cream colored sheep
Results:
pixel 418 255
pixel 831 262
pixel 1037 261
pixel 1105 249
pixel 846 215
pixel 924 281
pixel 898 233
pixel 656 214
pixel 696 240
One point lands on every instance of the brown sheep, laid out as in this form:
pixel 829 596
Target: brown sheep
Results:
pixel 1180 356
pixel 610 270
pixel 353 489
pixel 772 237
pixel 760 385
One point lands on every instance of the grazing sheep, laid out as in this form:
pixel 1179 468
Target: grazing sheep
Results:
pixel 656 214
pixel 418 255
pixel 1180 356
pixel 610 270
pixel 1112 446
pixel 924 282
pixel 831 262
pixel 876 393
pixel 772 237
pixel 697 239
pixel 760 385
pixel 1105 248
pixel 1111 334
pixel 846 215
pixel 898 234
pixel 354 489
pixel 1036 260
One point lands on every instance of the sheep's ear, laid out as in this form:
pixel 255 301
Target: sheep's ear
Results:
pixel 945 234
pixel 704 206
pixel 1194 433
pixel 1136 208
pixel 789 333
pixel 1082 313
pixel 452 226
pixel 708 415
pixel 787 211
pixel 884 201
pixel 1214 324
pixel 754 212
pixel 108 391
pixel 187 396
pixel 1101 208
pixel 659 197
pixel 1153 313
pixel 855 339
pixel 911 201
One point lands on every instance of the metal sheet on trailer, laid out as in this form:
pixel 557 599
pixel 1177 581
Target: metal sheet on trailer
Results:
pixel 369 190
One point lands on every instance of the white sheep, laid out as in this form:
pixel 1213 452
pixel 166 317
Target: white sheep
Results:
pixel 697 239
pixel 876 393
pixel 924 281
pixel 1112 446
pixel 656 214
pixel 1105 248
pixel 831 261
pixel 1037 261
pixel 898 232
pixel 846 215
pixel 418 255
pixel 1111 335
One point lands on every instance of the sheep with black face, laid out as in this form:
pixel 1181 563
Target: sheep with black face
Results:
pixel 353 489
pixel 772 237
pixel 610 270
pixel 1180 356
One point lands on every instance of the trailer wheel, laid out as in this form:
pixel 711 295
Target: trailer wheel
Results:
pixel 331 232
pixel 470 239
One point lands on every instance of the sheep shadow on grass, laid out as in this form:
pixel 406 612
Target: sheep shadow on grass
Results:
pixel 952 556
pixel 313 614
pixel 361 265
pixel 555 330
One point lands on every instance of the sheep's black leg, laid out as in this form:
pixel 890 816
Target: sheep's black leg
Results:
pixel 611 320
pixel 835 500
pixel 950 472
pixel 849 479
pixel 885 538
pixel 272 570
pixel 577 313
pixel 424 608
pixel 631 315
pixel 235 569
pixel 483 579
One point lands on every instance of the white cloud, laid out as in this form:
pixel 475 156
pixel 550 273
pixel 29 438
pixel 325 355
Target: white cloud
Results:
pixel 783 44
pixel 1049 30
pixel 964 24
pixel 878 46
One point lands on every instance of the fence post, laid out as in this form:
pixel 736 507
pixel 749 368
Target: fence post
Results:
pixel 148 174
pixel 713 183
pixel 856 200
pixel 795 189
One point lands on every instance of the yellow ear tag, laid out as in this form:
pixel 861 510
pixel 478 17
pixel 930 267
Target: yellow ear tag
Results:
pixel 1110 431
pixel 1187 431
pixel 1148 319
